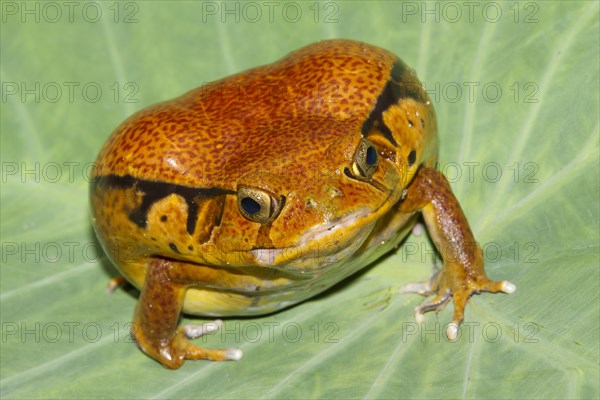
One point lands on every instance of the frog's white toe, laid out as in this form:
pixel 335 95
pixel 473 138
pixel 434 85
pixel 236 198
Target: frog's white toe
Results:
pixel 233 354
pixel 452 331
pixel 195 331
pixel 419 316
pixel 422 288
pixel 434 305
pixel 508 287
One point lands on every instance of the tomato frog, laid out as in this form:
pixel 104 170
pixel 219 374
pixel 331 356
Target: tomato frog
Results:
pixel 253 193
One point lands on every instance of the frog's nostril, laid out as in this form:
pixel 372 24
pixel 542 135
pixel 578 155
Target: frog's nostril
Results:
pixel 311 204
pixel 335 192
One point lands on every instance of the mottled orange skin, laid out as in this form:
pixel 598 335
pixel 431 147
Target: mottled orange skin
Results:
pixel 290 129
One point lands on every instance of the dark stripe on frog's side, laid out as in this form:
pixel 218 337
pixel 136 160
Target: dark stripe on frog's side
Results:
pixel 153 191
pixel 395 89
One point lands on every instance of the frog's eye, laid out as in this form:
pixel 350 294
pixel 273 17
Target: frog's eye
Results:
pixel 366 160
pixel 258 205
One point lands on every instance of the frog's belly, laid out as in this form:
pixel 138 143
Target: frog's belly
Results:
pixel 209 302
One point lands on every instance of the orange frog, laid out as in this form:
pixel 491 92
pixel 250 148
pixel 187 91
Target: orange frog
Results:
pixel 261 190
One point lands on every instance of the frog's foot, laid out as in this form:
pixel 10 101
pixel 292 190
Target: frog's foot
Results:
pixel 172 355
pixel 193 352
pixel 424 289
pixel 446 287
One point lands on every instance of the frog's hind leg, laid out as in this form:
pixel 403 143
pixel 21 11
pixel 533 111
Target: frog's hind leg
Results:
pixel 157 316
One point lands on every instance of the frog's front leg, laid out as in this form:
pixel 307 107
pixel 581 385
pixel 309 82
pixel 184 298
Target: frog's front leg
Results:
pixel 156 318
pixel 462 274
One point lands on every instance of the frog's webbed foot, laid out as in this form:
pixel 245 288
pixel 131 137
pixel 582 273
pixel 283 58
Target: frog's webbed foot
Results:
pixel 446 287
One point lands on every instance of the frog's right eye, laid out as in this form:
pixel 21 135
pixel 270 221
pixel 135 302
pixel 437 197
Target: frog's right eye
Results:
pixel 258 205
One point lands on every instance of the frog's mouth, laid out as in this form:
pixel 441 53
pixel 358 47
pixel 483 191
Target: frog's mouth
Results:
pixel 324 244
pixel 329 243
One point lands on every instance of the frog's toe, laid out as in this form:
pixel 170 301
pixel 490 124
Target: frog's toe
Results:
pixel 460 302
pixel 435 304
pixel 422 288
pixel 192 331
pixel 193 352
pixel 461 294
pixel 452 331
pixel 172 354
pixel 503 286
pixel 195 331
pixel 181 349
pixel 425 289
pixel 493 286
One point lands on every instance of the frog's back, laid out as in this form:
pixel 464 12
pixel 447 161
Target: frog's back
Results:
pixel 292 108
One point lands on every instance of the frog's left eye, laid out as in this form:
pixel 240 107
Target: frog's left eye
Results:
pixel 258 205
pixel 366 160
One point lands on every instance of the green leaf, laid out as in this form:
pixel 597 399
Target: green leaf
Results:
pixel 516 89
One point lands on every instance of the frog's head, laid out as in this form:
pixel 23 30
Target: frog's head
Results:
pixel 319 201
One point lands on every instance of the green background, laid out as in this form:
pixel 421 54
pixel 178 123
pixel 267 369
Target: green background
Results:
pixel 521 151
